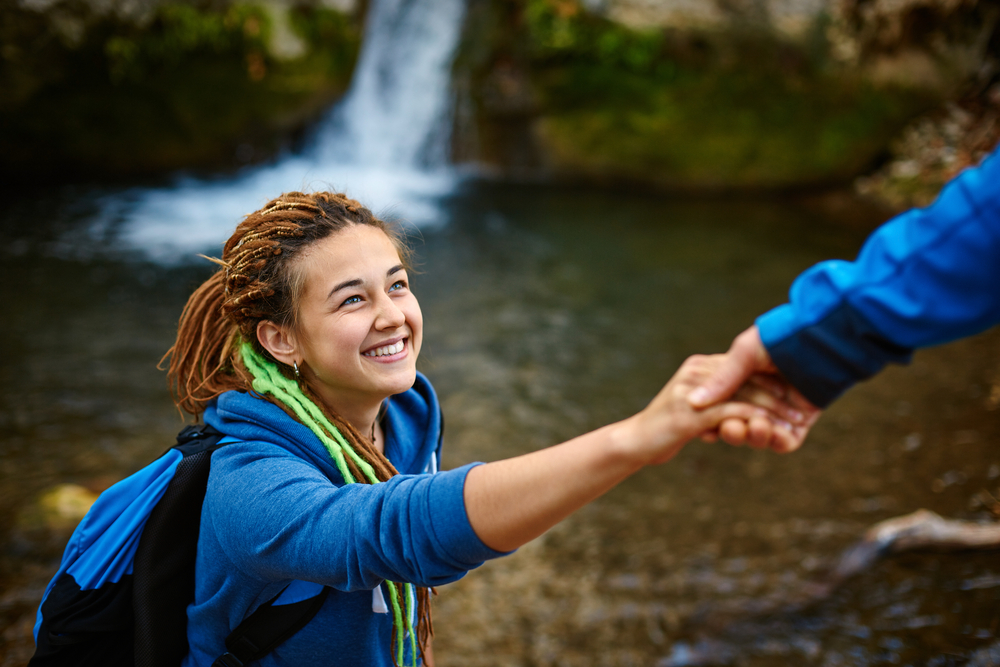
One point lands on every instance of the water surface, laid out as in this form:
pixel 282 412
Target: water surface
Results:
pixel 550 312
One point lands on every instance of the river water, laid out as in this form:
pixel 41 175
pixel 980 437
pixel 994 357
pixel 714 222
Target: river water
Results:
pixel 550 312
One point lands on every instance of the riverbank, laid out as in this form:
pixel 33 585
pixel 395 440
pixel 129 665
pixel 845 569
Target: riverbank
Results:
pixel 750 97
pixel 933 149
pixel 112 90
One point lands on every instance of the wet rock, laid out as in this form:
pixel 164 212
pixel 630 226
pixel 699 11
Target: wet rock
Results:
pixel 41 529
pixel 986 657
pixel 57 509
pixel 705 652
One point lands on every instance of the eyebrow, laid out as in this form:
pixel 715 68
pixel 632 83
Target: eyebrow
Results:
pixel 357 281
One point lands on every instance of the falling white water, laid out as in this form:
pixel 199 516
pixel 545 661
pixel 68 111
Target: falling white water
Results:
pixel 385 144
pixel 397 112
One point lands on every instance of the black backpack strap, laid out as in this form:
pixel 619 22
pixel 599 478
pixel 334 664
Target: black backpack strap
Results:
pixel 268 627
pixel 163 579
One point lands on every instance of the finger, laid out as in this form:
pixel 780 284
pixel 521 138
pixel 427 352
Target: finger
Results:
pixel 791 436
pixel 801 403
pixel 722 383
pixel 753 393
pixel 733 431
pixel 746 355
pixel 711 418
pixel 785 440
pixel 759 430
pixel 770 383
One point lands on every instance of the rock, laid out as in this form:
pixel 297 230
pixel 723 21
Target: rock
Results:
pixel 986 657
pixel 789 18
pixel 111 88
pixel 57 509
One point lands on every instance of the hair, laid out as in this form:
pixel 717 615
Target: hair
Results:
pixel 217 349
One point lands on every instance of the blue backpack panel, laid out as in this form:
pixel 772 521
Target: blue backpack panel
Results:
pixel 121 593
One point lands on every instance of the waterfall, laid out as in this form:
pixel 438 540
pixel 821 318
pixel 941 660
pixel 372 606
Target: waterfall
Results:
pixel 397 112
pixel 386 143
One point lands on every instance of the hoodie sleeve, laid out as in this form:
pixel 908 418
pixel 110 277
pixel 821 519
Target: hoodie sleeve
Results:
pixel 925 277
pixel 277 517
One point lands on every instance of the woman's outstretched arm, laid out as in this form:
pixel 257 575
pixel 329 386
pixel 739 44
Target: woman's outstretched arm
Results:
pixel 513 501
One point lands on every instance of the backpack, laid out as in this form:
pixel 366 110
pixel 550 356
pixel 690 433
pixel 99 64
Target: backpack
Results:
pixel 121 593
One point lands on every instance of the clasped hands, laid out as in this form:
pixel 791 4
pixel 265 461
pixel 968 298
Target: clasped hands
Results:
pixel 748 374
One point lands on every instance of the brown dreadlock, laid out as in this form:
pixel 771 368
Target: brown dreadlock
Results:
pixel 258 281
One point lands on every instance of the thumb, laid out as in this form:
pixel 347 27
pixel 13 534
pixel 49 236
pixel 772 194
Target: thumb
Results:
pixel 746 355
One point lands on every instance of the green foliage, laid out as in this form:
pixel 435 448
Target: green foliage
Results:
pixel 561 31
pixel 334 40
pixel 182 91
pixel 739 108
pixel 181 31
pixel 733 129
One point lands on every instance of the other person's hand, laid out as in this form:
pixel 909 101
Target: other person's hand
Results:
pixel 747 367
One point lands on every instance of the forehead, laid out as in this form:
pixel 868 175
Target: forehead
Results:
pixel 355 252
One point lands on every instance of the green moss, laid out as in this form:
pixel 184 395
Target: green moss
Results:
pixel 181 92
pixel 558 30
pixel 736 128
pixel 740 109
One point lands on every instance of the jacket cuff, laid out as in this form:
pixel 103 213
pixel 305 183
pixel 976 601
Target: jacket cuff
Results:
pixel 825 359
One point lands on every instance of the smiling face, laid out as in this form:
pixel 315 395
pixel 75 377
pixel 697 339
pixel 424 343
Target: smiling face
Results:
pixel 358 329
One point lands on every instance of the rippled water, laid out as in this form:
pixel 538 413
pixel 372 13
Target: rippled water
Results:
pixel 550 312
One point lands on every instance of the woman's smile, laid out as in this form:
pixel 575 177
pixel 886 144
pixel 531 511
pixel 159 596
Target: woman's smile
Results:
pixel 387 352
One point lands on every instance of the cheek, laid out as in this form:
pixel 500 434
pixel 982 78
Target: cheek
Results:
pixel 416 320
pixel 335 339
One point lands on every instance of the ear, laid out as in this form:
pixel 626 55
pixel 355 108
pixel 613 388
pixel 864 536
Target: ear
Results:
pixel 279 341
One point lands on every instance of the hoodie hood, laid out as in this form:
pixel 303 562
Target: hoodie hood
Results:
pixel 412 424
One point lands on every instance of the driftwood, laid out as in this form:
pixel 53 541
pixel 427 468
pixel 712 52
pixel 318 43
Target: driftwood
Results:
pixel 926 530
pixel 920 530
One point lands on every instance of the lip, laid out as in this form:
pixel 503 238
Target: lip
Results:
pixel 389 357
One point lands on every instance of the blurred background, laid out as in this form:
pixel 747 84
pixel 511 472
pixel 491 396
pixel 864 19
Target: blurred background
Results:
pixel 595 190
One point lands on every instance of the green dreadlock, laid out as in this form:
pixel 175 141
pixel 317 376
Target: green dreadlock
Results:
pixel 268 379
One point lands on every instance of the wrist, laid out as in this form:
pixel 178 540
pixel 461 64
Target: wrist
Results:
pixel 628 443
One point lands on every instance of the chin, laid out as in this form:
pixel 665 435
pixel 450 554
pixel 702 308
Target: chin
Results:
pixel 401 383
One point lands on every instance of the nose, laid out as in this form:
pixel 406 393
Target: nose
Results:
pixel 388 315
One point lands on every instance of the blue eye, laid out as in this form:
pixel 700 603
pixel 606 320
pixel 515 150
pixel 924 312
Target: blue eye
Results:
pixel 399 284
pixel 351 300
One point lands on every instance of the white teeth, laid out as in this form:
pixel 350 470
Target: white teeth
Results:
pixel 386 350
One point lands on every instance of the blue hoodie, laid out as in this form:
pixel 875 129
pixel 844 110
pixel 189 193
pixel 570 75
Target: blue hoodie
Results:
pixel 277 514
pixel 926 277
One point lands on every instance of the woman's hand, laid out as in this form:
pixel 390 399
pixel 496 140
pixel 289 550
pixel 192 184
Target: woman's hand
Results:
pixel 659 432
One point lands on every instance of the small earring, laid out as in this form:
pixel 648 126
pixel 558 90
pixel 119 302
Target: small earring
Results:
pixel 295 366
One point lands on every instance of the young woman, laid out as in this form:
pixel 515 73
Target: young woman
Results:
pixel 303 348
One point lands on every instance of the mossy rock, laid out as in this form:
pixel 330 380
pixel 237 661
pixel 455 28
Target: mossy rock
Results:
pixel 186 90
pixel 733 108
pixel 734 129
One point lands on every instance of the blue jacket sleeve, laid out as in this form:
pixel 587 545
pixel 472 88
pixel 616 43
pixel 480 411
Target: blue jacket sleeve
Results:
pixel 276 517
pixel 925 277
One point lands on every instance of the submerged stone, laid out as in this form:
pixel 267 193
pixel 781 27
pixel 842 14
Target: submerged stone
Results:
pixel 58 508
